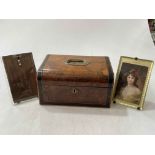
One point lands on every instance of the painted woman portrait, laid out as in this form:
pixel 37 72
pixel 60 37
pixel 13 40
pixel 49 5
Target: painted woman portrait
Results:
pixel 129 90
pixel 131 83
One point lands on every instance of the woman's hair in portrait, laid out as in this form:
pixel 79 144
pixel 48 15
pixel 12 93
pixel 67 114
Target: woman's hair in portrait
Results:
pixel 132 72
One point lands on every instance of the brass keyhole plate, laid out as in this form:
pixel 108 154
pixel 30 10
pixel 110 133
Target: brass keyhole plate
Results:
pixel 75 91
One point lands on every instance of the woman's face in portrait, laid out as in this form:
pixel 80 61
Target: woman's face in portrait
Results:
pixel 130 79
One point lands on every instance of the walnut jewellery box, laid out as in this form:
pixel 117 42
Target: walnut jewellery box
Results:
pixel 75 80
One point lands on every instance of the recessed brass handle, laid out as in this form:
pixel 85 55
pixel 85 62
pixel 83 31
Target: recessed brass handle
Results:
pixel 76 62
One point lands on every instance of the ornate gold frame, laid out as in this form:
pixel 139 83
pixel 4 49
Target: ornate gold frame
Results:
pixel 136 61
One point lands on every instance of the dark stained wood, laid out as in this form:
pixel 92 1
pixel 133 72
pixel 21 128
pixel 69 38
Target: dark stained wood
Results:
pixel 87 81
pixel 21 73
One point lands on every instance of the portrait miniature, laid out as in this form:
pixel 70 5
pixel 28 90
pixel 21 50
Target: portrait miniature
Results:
pixel 131 81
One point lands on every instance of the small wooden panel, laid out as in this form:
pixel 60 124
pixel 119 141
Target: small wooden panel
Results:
pixel 21 73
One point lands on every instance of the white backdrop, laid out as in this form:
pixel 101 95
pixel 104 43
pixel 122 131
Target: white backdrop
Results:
pixel 112 38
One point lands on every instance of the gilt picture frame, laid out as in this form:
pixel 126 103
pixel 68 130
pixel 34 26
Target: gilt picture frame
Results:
pixel 131 83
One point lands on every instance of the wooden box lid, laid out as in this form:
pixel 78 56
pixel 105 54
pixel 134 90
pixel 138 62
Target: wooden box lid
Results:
pixel 22 77
pixel 89 69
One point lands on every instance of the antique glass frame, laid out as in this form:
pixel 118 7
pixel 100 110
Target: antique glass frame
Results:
pixel 135 61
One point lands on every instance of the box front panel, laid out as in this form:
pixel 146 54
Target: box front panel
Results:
pixel 73 95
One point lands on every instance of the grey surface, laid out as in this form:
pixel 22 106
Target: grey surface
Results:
pixel 112 38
